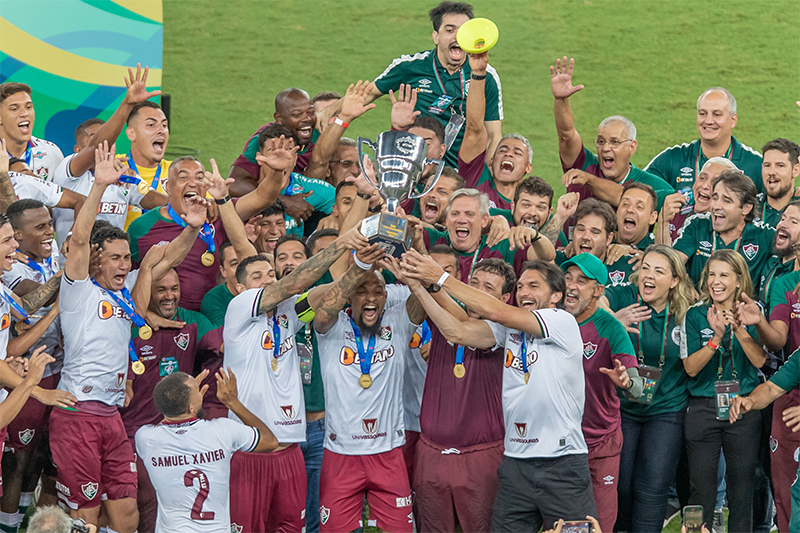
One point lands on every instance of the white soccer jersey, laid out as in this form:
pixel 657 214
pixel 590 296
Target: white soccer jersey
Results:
pixel 276 397
pixel 362 421
pixel 45 157
pixel 52 335
pixel 543 417
pixel 97 332
pixel 26 186
pixel 189 465
pixel 5 323
pixel 414 379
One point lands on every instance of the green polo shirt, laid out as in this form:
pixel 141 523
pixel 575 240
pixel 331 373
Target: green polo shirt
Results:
pixel 426 75
pixel 698 240
pixel 313 392
pixel 323 196
pixel 774 271
pixel 696 332
pixel 680 164
pixel 215 304
pixel 766 213
pixel 788 376
pixel 621 270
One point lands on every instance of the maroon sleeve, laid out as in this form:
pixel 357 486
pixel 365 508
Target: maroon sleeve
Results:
pixel 243 163
pixel 578 163
pixel 471 171
pixel 782 312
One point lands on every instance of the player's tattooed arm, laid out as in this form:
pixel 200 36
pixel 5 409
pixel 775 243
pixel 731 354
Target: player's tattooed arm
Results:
pixel 41 295
pixel 7 194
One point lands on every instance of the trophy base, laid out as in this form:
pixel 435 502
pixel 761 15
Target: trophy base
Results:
pixel 391 232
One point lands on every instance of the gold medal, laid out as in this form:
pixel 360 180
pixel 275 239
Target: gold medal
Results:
pixel 143 187
pixel 207 258
pixel 145 332
pixel 138 368
pixel 365 381
pixel 527 377
pixel 20 327
pixel 274 364
pixel 459 370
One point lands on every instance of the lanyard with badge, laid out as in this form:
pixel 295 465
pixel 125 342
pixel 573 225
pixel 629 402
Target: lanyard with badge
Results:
pixel 276 341
pixel 457 120
pixel 364 356
pixel 305 352
pixel 145 332
pixel 206 235
pixel 726 390
pixel 651 374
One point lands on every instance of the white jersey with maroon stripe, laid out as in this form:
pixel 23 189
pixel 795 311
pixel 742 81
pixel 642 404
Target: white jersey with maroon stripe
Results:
pixel 414 380
pixel 97 332
pixel 276 397
pixel 543 417
pixel 45 157
pixel 52 335
pixel 26 186
pixel 189 465
pixel 361 421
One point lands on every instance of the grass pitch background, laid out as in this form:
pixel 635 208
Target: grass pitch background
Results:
pixel 224 62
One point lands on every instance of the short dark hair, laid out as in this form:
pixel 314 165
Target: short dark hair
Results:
pixel 793 203
pixel 15 210
pixel 449 172
pixel 14 160
pixel 221 250
pixel 104 231
pixel 498 267
pixel 138 107
pixel 293 238
pixel 742 186
pixel 241 270
pixel 593 206
pixel 535 186
pixel 642 187
pixel 446 249
pixel 274 131
pixel 786 146
pixel 311 242
pixel 10 88
pixel 80 131
pixel 3 220
pixel 172 395
pixel 553 275
pixel 173 167
pixel 325 96
pixel 449 8
pixel 429 123
pixel 277 208
pixel 342 185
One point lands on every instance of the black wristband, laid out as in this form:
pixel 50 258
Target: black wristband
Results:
pixel 225 200
pixel 478 77
pixel 376 209
pixel 363 196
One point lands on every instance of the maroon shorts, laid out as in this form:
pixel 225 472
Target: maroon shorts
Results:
pixel 456 486
pixel 94 458
pixel 25 431
pixel 345 478
pixel 146 499
pixel 604 468
pixel 268 491
pixel 409 450
pixel 2 448
pixel 783 444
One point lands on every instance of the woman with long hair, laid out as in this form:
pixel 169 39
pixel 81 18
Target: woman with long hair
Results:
pixel 722 358
pixel 652 427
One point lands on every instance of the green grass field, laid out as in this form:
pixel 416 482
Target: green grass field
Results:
pixel 224 61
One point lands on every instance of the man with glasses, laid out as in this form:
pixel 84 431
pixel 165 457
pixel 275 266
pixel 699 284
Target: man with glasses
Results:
pixel 602 175
pixel 344 162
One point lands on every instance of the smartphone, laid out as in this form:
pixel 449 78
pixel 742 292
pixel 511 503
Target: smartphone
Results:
pixel 576 526
pixel 693 518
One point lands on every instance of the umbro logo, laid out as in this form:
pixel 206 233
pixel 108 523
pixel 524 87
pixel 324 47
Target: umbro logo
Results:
pixel 687 171
pixel 608 480
pixel 707 332
pixel 705 244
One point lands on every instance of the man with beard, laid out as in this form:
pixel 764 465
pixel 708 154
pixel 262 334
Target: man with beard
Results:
pixel 545 474
pixel 344 162
pixel 533 206
pixel 604 174
pixel 430 209
pixel 442 78
pixel 680 165
pixel 268 492
pixel 728 225
pixel 271 227
pixel 607 350
pixel 779 169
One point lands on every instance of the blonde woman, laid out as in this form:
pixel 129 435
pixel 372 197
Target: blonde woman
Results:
pixel 652 427
pixel 722 359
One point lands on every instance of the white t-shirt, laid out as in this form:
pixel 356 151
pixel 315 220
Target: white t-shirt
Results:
pixel 365 421
pixel 97 332
pixel 274 397
pixel 52 335
pixel 45 157
pixel 189 465
pixel 543 417
pixel 414 379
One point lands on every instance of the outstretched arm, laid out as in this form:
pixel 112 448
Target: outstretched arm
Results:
pixel 569 141
pixel 7 194
pixel 475 135
pixel 274 159
pixel 12 405
pixel 234 226
pixel 227 393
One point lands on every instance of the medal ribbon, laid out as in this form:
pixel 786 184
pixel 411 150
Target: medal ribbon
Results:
pixel 662 358
pixel 133 180
pixel 276 336
pixel 132 164
pixel 364 356
pixel 441 85
pixel 15 306
pixel 523 354
pixel 288 190
pixel 28 154
pixel 459 354
pixel 205 234
pixel 728 154
pixel 128 306
pixel 37 267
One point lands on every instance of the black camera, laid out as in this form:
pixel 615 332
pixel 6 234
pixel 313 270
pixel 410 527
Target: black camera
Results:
pixel 79 526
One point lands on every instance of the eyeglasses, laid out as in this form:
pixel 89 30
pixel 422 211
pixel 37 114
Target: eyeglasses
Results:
pixel 614 143
pixel 346 163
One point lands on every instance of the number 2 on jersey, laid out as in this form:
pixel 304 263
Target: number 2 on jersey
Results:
pixel 202 494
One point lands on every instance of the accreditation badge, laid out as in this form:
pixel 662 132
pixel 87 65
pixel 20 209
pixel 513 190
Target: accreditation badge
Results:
pixel 306 355
pixel 651 375
pixel 724 393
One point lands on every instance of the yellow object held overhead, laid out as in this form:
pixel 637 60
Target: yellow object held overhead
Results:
pixel 477 35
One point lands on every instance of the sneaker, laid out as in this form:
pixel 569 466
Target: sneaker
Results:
pixel 719 522
pixel 673 510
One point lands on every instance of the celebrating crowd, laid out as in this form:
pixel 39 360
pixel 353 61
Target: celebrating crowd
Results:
pixel 184 352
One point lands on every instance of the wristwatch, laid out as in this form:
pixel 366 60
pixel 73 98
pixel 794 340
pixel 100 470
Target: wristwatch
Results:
pixel 434 287
pixel 221 201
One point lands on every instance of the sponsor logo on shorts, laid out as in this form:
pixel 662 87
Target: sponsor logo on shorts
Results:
pixel 750 250
pixel 63 489
pixel 182 341
pixel 5 321
pixel 589 348
pixel 773 444
pixel 87 389
pixel 324 514
pixel 386 333
pixel 120 380
pixel 617 276
pixel 89 490
pixel 287 411
pixel 403 502
pixel 25 437
pixel 522 432
pixel 236 528
pixel 608 480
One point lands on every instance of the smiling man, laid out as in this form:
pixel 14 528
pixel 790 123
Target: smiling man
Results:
pixel 779 170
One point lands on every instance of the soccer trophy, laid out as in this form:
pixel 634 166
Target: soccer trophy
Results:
pixel 399 160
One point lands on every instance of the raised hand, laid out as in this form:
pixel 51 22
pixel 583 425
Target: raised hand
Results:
pixel 567 205
pixel 353 105
pixel 499 230
pixel 371 254
pixel 105 173
pixel 631 315
pixel 739 405
pixel 672 205
pixel 521 236
pixel 277 154
pixel 716 320
pixel 362 184
pixel 36 365
pixel 618 374
pixel 403 113
pixel 615 252
pixel 201 377
pixel 575 176
pixel 4 158
pixel 353 239
pixel 136 84
pixel 218 186
pixel 227 392
pixel 561 78
pixel 478 63
pixel 748 312
pixel 252 229
pixel 421 267
pixel 196 211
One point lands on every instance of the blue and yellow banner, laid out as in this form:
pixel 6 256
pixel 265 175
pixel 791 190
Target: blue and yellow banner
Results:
pixel 75 54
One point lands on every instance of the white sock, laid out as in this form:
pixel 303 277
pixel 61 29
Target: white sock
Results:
pixel 8 521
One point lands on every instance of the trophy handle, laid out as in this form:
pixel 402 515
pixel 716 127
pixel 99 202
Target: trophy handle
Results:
pixel 361 142
pixel 439 168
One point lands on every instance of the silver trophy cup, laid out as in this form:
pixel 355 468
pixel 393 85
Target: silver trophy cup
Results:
pixel 399 160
